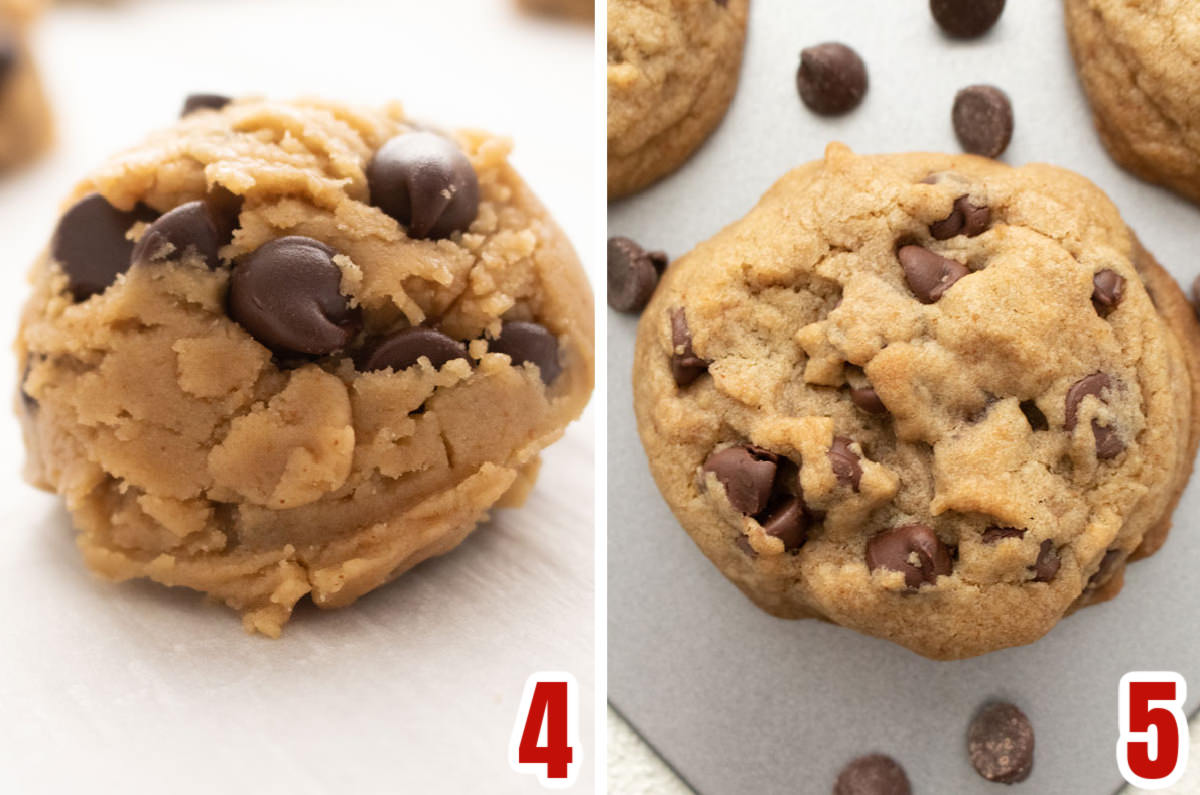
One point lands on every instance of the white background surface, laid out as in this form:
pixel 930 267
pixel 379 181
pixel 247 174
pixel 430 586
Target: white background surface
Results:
pixel 135 688
pixel 738 701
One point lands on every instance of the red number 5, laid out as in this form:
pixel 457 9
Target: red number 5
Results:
pixel 1152 750
pixel 547 729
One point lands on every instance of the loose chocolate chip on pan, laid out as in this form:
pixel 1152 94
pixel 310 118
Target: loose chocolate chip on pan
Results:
pixel 996 533
pixel 832 79
pixel 867 399
pixel 405 348
pixel 983 120
pixel 875 774
pixel 894 549
pixel 966 19
pixel 686 366
pixel 1047 563
pixel 929 275
pixel 426 183
pixel 529 342
pixel 90 245
pixel 964 219
pixel 788 523
pixel 747 473
pixel 1108 288
pixel 188 226
pixel 632 274
pixel 195 102
pixel 1035 416
pixel 287 294
pixel 1094 385
pixel 1000 743
pixel 845 462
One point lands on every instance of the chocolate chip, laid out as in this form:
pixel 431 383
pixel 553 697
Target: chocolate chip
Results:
pixel 832 79
pixel 929 275
pixel 747 473
pixel 426 183
pixel 872 775
pixel 1000 743
pixel 196 102
pixel 686 366
pixel 1047 563
pixel 529 342
pixel 893 549
pixel 404 348
pixel 983 120
pixel 964 219
pixel 632 274
pixel 188 226
pixel 1037 419
pixel 287 294
pixel 788 523
pixel 845 462
pixel 743 543
pixel 996 533
pixel 9 52
pixel 867 399
pixel 1108 566
pixel 1108 442
pixel 28 400
pixel 966 19
pixel 1108 288
pixel 90 246
pixel 1093 385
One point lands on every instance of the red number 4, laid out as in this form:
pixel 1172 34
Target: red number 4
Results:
pixel 547 729
pixel 1152 750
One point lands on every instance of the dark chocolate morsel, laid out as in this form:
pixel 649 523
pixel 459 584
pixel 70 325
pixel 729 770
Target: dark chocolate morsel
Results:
pixel 875 774
pixel 425 182
pixel 867 399
pixel 287 294
pixel 1000 743
pixel 195 102
pixel 964 219
pixel 893 549
pixel 405 348
pixel 832 78
pixel 746 474
pixel 996 533
pixel 632 275
pixel 929 275
pixel 188 226
pixel 1037 419
pixel 1047 563
pixel 1092 384
pixel 788 523
pixel 90 244
pixel 966 19
pixel 1108 288
pixel 529 342
pixel 983 120
pixel 686 366
pixel 845 462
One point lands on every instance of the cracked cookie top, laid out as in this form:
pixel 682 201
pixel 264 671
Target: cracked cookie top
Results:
pixel 924 396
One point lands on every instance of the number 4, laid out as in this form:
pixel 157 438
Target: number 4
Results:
pixel 1152 750
pixel 545 737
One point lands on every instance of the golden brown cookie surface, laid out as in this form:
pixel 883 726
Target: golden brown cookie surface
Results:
pixel 923 396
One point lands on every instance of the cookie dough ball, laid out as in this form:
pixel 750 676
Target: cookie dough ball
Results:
pixel 297 348
pixel 26 129
pixel 572 9
pixel 1139 64
pixel 672 69
pixel 929 397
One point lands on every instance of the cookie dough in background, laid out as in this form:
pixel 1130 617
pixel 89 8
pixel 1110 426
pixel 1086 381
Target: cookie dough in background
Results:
pixel 266 371
pixel 26 126
pixel 673 67
pixel 671 610
pixel 582 10
pixel 1139 64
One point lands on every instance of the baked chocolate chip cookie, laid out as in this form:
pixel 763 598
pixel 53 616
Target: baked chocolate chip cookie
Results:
pixel 929 397
pixel 673 66
pixel 26 128
pixel 1139 64
pixel 290 348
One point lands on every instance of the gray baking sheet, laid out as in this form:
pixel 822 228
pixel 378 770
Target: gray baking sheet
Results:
pixel 739 702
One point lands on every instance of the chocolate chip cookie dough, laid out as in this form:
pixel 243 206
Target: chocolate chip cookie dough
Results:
pixel 289 348
pixel 1139 64
pixel 672 69
pixel 929 397
pixel 26 128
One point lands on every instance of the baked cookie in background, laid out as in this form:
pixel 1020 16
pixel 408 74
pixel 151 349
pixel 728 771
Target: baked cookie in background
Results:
pixel 289 348
pixel 1139 64
pixel 26 126
pixel 929 397
pixel 673 67
pixel 572 9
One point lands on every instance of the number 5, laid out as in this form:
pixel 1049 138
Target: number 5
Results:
pixel 545 737
pixel 1152 750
